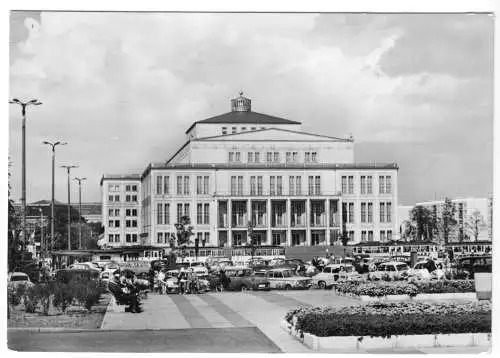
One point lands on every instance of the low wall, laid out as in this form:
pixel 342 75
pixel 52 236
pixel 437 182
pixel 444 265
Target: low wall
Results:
pixel 360 344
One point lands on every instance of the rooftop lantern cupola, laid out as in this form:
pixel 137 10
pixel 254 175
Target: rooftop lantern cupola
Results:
pixel 241 104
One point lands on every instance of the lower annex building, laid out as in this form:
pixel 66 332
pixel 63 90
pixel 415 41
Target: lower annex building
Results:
pixel 242 167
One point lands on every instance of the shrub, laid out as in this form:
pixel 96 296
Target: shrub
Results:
pixel 403 319
pixel 31 300
pixel 63 296
pixel 87 294
pixel 41 294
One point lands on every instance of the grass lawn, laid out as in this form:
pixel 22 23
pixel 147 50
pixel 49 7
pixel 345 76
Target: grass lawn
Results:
pixel 75 317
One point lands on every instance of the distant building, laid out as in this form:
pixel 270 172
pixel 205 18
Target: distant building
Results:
pixel 91 212
pixel 465 209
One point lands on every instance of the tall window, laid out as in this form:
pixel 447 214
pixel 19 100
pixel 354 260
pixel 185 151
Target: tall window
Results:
pixel 240 185
pixel 381 186
pixel 269 156
pixel 166 185
pixel 199 185
pixel 382 212
pixel 259 185
pixel 199 213
pixel 388 185
pixel 250 157
pixel 389 235
pixel 186 210
pixel 159 214
pixel 237 157
pixel 224 130
pixel 317 185
pixel 311 185
pixel 370 235
pixel 298 185
pixel 179 185
pixel 279 184
pixel 307 157
pixel 291 185
pixel 288 157
pixel 206 182
pixel 351 212
pixel 363 212
pixel 369 184
pixel 276 156
pixel 159 238
pixel 295 157
pixel 370 213
pixel 257 157
pixel 253 185
pixel 351 184
pixel 186 185
pixel 166 214
pixel 272 185
pixel 159 182
pixel 206 213
pixel 314 157
pixel 179 212
pixel 363 184
pixel 233 185
pixel 231 157
pixel 363 236
pixel 207 237
pixel 344 184
pixel 389 212
pixel 382 236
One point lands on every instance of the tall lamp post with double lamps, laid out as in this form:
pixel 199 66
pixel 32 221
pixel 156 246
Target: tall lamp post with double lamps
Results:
pixel 33 102
pixel 68 169
pixel 80 180
pixel 53 145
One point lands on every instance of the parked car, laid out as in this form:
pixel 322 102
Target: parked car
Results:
pixel 31 269
pixel 84 266
pixel 331 273
pixel 258 264
pixel 17 279
pixel 343 261
pixel 285 278
pixel 420 271
pixel 365 264
pixel 243 278
pixel 467 266
pixel 218 263
pixel 392 270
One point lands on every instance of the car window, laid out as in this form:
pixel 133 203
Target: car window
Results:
pixel 327 270
pixel 419 266
pixel 382 267
pixel 401 267
pixel 260 274
pixel 390 268
pixel 19 278
pixel 349 268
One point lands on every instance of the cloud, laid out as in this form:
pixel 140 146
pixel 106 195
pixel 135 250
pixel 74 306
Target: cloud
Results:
pixel 122 88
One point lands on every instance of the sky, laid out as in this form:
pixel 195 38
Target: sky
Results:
pixel 122 88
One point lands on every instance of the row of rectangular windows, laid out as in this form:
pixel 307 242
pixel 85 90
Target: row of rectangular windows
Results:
pixel 165 237
pixel 128 198
pixel 116 212
pixel 385 212
pixel 234 130
pixel 202 213
pixel 366 184
pixel 114 188
pixel 368 235
pixel 128 238
pixel 273 157
pixel 276 185
pixel 183 185
pixel 116 223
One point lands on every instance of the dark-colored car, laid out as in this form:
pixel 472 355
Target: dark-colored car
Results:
pixel 258 264
pixel 67 275
pixel 31 269
pixel 467 266
pixel 243 278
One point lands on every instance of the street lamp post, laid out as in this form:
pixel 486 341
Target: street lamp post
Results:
pixel 33 102
pixel 41 235
pixel 52 210
pixel 80 180
pixel 68 169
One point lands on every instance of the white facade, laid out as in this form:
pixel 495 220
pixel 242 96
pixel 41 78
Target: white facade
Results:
pixel 296 188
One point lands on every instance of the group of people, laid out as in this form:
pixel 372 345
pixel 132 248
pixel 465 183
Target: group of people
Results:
pixel 126 290
pixel 187 281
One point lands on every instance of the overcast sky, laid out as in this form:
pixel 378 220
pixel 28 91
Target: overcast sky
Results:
pixel 121 89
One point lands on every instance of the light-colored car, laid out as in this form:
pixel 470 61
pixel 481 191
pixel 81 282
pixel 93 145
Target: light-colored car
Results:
pixel 84 266
pixel 17 279
pixel 420 271
pixel 391 270
pixel 283 278
pixel 332 273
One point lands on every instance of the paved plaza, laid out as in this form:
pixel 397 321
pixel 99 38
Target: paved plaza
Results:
pixel 212 322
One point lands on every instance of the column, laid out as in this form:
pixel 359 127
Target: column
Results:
pixel 229 222
pixel 269 233
pixel 308 222
pixel 289 222
pixel 327 224
pixel 249 211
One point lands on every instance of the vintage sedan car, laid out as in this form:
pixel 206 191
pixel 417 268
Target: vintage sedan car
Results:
pixel 84 266
pixel 285 278
pixel 243 278
pixel 17 279
pixel 420 271
pixel 332 273
pixel 391 270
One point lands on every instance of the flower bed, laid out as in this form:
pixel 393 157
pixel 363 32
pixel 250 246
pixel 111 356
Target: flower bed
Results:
pixel 388 319
pixel 381 289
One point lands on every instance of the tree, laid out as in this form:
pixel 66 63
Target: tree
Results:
pixel 474 224
pixel 447 220
pixel 184 231
pixel 423 222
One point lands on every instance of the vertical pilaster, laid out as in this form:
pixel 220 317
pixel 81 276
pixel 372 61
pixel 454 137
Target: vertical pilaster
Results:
pixel 308 222
pixel 289 222
pixel 269 231
pixel 229 223
pixel 327 219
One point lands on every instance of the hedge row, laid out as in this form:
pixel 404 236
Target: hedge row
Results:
pixel 385 320
pixel 412 288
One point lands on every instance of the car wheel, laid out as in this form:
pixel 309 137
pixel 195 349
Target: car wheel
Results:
pixel 243 288
pixel 322 285
pixel 288 288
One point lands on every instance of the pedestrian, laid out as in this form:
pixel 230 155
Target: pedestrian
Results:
pixel 122 293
